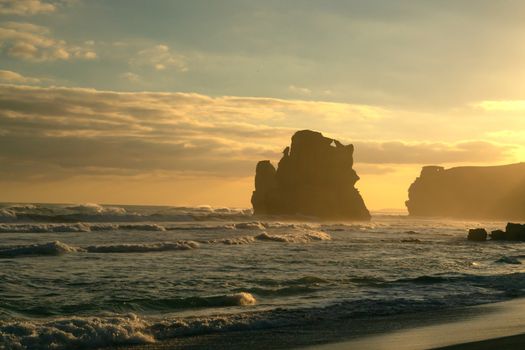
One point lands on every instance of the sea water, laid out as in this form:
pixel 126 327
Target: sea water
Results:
pixel 92 276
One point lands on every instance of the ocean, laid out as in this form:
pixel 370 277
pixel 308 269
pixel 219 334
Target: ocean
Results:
pixel 91 276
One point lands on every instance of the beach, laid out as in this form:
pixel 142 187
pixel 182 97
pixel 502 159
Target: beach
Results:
pixel 490 326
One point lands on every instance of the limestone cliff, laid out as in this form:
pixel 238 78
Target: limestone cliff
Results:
pixel 494 192
pixel 313 178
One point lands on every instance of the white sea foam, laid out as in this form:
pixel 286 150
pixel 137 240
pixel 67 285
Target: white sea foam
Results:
pixel 78 227
pixel 97 209
pixel 92 212
pixel 44 228
pixel 234 240
pixel 249 226
pixel 295 237
pixel 143 248
pixel 75 333
pixel 241 299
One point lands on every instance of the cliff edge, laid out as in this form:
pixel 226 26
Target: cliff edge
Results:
pixel 313 178
pixel 492 192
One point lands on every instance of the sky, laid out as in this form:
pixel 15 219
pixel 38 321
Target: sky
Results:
pixel 174 102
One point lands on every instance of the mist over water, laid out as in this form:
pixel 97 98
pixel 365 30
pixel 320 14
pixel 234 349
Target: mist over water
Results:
pixel 94 275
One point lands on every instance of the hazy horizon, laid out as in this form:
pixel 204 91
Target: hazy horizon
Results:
pixel 106 102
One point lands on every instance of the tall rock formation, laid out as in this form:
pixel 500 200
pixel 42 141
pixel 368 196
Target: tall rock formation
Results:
pixel 314 178
pixel 493 192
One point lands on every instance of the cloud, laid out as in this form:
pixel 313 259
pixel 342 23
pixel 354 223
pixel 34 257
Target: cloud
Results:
pixel 30 42
pixel 160 57
pixel 25 7
pixel 299 90
pixel 423 153
pixel 129 76
pixel 8 76
pixel 64 132
pixel 502 105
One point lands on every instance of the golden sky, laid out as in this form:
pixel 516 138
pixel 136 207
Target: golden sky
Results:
pixel 105 102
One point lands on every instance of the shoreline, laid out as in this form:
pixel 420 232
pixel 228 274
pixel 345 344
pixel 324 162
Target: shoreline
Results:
pixel 491 326
pixel 488 325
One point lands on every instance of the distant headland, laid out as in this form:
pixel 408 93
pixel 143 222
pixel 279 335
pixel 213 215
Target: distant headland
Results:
pixel 313 178
pixel 491 192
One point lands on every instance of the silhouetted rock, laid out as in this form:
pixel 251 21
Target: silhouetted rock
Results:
pixel 497 235
pixel 313 178
pixel 515 232
pixel 477 234
pixel 496 192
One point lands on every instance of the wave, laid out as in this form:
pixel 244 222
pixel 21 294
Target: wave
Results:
pixel 77 227
pixel 51 248
pixel 142 248
pixel 233 240
pixel 426 279
pixel 58 248
pixel 96 209
pixel 249 226
pixel 130 329
pixel 91 212
pixel 513 260
pixel 78 332
pixel 298 237
pixel 146 226
pixel 240 298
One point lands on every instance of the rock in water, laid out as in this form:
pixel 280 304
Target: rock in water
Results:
pixel 477 234
pixel 498 235
pixel 494 192
pixel 314 178
pixel 515 232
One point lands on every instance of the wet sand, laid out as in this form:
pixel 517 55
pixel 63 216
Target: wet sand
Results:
pixel 494 326
pixel 490 326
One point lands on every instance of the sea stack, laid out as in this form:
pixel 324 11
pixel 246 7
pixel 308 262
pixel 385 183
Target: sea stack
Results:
pixel 492 192
pixel 314 178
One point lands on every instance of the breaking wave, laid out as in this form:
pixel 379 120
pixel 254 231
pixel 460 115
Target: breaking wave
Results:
pixel 96 227
pixel 130 329
pixel 51 248
pixel 298 237
pixel 78 227
pixel 91 212
pixel 78 332
pixel 142 248
pixel 58 248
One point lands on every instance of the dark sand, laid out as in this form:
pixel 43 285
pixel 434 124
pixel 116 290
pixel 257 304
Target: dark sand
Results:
pixel 491 326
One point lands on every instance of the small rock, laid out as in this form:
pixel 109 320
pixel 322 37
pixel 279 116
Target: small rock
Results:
pixel 515 232
pixel 497 235
pixel 477 234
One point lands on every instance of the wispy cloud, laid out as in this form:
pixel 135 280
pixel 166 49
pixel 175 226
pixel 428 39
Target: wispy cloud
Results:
pixel 26 7
pixel 160 57
pixel 7 76
pixel 30 42
pixel 300 90
pixel 423 153
pixel 502 105
pixel 130 76
pixel 91 132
